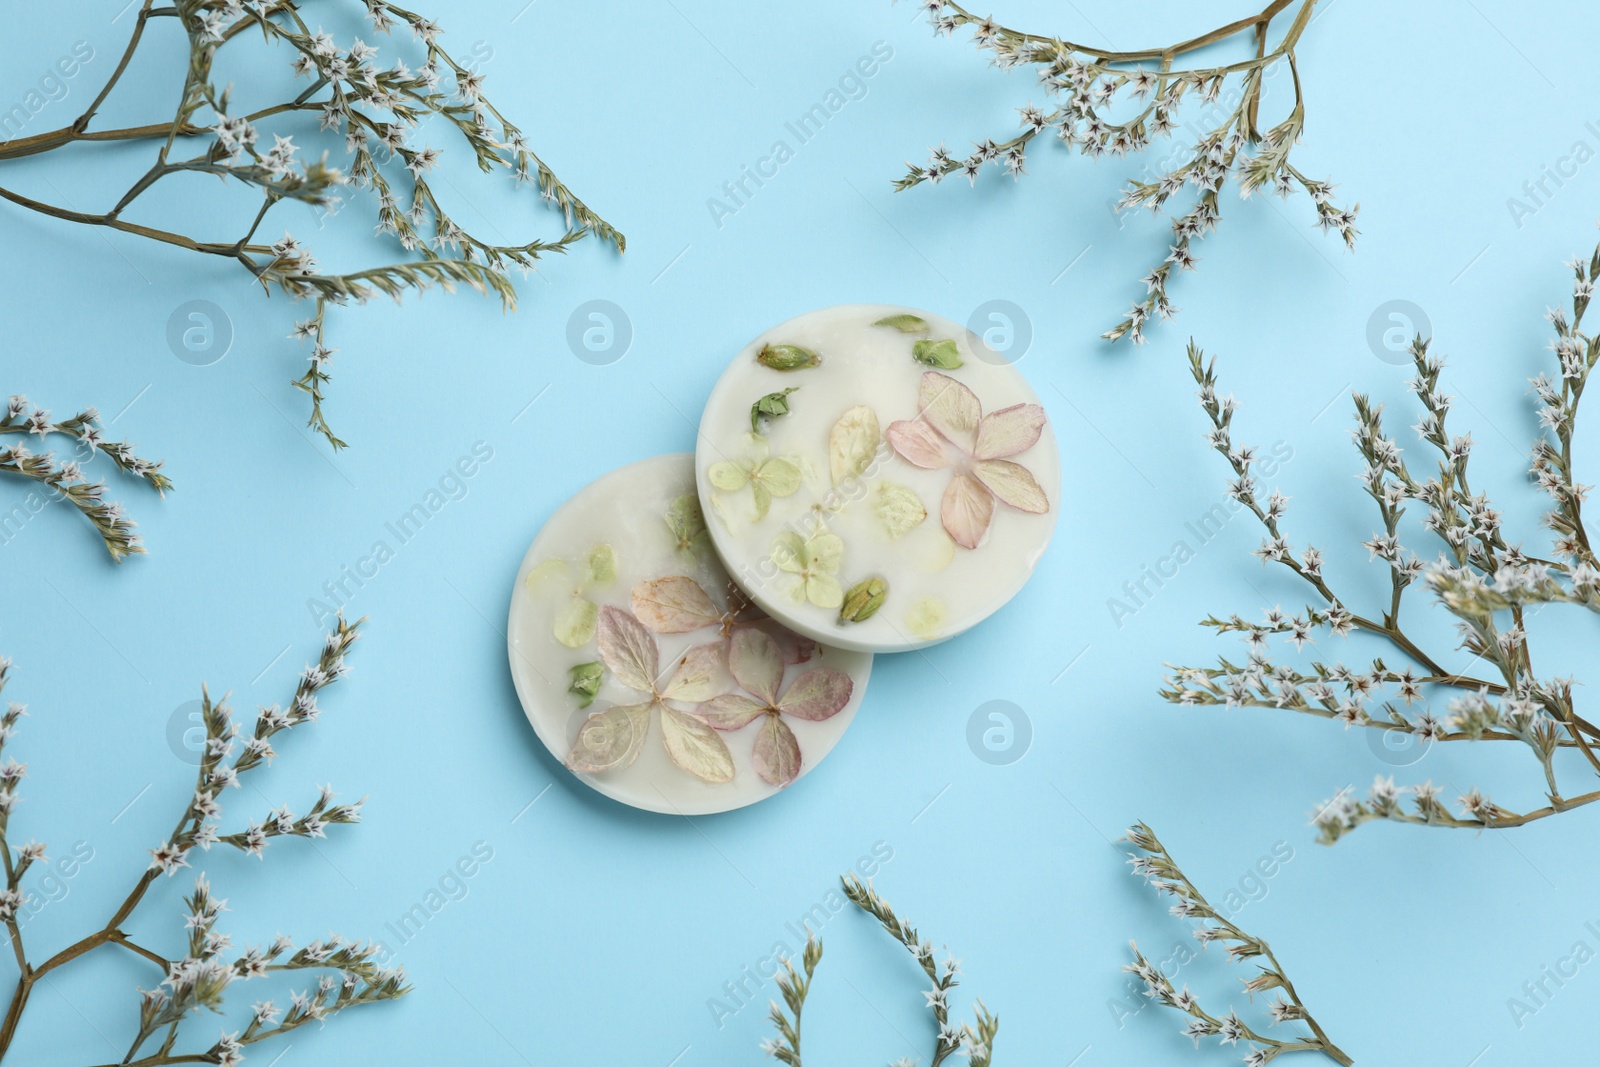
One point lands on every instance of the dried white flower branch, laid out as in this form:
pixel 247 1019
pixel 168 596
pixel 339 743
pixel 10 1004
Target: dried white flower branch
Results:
pixel 1086 83
pixel 347 973
pixel 376 109
pixel 1160 871
pixel 975 1040
pixel 1478 578
pixel 65 478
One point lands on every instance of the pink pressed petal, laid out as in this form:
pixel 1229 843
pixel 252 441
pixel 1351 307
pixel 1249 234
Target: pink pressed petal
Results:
pixel 950 407
pixel 673 605
pixel 697 674
pixel 817 694
pixel 917 443
pixel 756 662
pixel 777 755
pixel 1013 484
pixel 966 510
pixel 1009 431
pixel 730 711
pixel 628 649
pixel 693 745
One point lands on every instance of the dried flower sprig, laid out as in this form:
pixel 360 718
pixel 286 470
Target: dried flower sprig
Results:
pixel 1158 869
pixel 377 111
pixel 65 478
pixel 1488 585
pixel 975 1039
pixel 1148 86
pixel 347 972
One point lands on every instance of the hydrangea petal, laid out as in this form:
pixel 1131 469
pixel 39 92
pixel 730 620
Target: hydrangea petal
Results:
pixel 1009 431
pixel 777 753
pixel 1013 484
pixel 729 711
pixel 756 662
pixel 950 407
pixel 697 674
pixel 695 746
pixel 966 510
pixel 610 738
pixel 673 605
pixel 817 694
pixel 628 649
pixel 917 443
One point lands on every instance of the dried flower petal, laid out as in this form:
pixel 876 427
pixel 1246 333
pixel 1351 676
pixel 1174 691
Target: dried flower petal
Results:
pixel 585 681
pixel 673 605
pixel 686 521
pixel 611 738
pixel 966 510
pixel 696 676
pixel 852 443
pixel 1009 431
pixel 942 354
pixel 818 694
pixel 628 649
pixel 756 662
pixel 777 753
pixel 950 407
pixel 695 746
pixel 602 565
pixel 729 711
pixel 898 508
pixel 917 443
pixel 904 323
pixel 575 622
pixel 1013 484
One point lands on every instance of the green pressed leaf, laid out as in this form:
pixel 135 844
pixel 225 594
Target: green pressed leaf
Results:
pixel 549 569
pixel 602 565
pixel 852 443
pixel 686 521
pixel 585 681
pixel 904 323
pixel 862 600
pixel 899 509
pixel 773 405
pixel 787 357
pixel 941 354
pixel 575 623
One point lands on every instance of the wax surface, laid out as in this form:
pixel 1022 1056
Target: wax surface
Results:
pixel 868 379
pixel 626 511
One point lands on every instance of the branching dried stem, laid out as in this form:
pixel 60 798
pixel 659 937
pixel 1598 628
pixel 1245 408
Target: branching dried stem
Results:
pixel 1488 585
pixel 1148 86
pixel 975 1040
pixel 347 974
pixel 64 479
pixel 376 111
pixel 1157 867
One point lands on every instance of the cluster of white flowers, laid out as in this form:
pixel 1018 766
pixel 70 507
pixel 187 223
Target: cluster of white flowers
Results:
pixel 1085 86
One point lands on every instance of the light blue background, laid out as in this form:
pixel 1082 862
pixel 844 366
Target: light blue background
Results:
pixel 597 934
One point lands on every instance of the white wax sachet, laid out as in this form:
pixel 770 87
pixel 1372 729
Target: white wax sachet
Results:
pixel 645 670
pixel 875 477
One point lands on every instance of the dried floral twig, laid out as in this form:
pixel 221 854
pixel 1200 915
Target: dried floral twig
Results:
pixel 975 1039
pixel 376 110
pixel 65 478
pixel 1478 578
pixel 1159 870
pixel 1086 83
pixel 348 975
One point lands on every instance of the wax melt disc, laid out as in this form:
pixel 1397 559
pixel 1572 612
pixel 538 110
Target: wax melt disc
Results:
pixel 647 673
pixel 875 477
